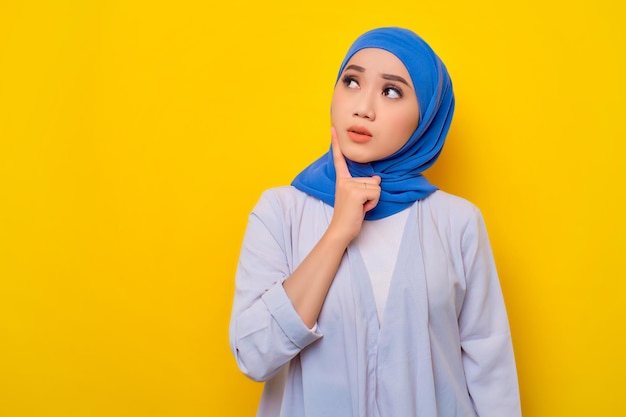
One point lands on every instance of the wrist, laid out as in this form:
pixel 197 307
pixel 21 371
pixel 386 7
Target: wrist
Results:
pixel 338 236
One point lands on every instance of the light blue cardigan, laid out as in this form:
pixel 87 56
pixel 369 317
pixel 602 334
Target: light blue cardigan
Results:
pixel 442 348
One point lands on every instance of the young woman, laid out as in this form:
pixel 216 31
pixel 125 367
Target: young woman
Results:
pixel 362 289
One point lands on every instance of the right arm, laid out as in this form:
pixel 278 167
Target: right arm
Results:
pixel 308 285
pixel 273 315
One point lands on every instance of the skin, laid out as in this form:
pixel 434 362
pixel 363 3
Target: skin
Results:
pixel 374 92
pixel 369 98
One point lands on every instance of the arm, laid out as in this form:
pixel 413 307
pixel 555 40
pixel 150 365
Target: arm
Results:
pixel 488 357
pixel 265 330
pixel 308 285
pixel 273 309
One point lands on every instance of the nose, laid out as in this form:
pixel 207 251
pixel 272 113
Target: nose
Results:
pixel 364 107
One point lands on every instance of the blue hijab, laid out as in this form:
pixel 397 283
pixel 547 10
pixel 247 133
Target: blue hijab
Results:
pixel 402 181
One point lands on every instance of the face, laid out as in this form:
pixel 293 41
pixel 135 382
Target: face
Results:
pixel 374 106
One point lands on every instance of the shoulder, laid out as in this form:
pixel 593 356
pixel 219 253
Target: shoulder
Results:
pixel 445 204
pixel 457 221
pixel 286 202
pixel 453 215
pixel 283 193
pixel 285 197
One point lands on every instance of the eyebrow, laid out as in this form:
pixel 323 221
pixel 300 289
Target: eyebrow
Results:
pixel 389 77
pixel 392 77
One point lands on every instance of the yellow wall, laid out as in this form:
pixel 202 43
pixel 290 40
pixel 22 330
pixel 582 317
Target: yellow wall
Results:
pixel 135 136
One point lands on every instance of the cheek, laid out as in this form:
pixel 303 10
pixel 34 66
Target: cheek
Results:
pixel 337 108
pixel 404 123
pixel 337 100
pixel 333 108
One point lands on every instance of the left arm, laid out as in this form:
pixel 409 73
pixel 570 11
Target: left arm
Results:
pixel 487 350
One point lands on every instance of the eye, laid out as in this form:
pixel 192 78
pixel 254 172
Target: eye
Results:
pixel 392 92
pixel 350 82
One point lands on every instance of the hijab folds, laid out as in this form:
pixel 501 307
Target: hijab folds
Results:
pixel 402 182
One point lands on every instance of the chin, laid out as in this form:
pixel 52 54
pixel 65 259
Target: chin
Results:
pixel 357 152
pixel 361 159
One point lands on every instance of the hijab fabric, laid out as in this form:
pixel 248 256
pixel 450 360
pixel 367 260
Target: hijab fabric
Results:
pixel 402 182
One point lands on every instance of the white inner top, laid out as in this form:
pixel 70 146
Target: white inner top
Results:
pixel 379 244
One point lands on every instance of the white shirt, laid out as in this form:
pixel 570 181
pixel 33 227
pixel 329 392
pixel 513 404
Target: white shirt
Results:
pixel 379 243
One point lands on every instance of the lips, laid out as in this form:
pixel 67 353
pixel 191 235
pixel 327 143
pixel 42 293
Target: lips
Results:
pixel 359 134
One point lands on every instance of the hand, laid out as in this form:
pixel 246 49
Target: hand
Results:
pixel 353 196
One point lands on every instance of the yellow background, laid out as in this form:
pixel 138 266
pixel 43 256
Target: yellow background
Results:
pixel 135 137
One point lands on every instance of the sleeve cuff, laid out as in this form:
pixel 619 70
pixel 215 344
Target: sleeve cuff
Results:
pixel 282 310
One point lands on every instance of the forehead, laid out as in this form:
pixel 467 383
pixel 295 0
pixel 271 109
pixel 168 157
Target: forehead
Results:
pixel 378 60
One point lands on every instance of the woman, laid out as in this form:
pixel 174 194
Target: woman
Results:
pixel 363 290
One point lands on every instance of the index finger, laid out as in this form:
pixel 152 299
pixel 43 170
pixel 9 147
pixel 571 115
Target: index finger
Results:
pixel 341 167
